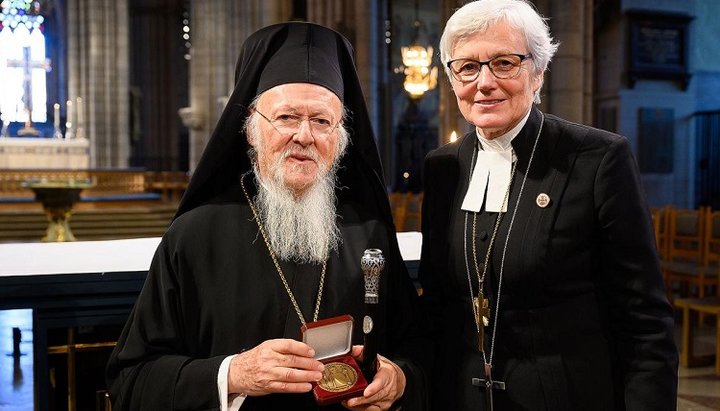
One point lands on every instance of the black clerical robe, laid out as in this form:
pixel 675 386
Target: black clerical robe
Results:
pixel 213 291
pixel 583 319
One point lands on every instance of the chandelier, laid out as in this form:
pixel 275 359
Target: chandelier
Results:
pixel 420 76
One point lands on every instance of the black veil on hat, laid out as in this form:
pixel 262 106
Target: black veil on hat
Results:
pixel 292 52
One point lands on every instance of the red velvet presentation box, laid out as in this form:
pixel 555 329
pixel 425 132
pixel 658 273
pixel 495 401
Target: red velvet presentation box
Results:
pixel 331 339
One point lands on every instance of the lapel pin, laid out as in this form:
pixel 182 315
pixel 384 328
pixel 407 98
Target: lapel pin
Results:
pixel 542 200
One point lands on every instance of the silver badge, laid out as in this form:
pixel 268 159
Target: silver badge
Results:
pixel 542 200
pixel 367 324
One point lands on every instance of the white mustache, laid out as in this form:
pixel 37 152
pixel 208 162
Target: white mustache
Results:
pixel 304 151
pixel 310 152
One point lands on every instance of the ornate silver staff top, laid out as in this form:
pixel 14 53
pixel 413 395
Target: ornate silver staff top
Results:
pixel 372 264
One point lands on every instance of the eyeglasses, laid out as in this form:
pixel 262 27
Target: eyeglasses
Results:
pixel 289 124
pixel 503 67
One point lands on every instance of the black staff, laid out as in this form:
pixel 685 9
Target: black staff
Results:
pixel 372 264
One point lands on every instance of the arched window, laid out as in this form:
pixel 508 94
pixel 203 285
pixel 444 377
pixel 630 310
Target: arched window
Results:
pixel 23 61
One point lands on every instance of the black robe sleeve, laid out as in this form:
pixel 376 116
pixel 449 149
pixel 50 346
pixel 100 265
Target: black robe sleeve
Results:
pixel 638 317
pixel 145 372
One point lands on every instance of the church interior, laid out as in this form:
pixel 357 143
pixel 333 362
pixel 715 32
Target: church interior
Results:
pixel 106 107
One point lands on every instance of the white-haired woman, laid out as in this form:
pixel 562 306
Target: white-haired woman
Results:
pixel 538 262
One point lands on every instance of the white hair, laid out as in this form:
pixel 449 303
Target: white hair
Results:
pixel 477 16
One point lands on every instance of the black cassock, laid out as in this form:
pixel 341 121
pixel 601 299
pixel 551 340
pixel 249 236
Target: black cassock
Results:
pixel 213 291
pixel 584 323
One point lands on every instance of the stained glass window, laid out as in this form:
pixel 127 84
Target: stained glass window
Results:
pixel 23 61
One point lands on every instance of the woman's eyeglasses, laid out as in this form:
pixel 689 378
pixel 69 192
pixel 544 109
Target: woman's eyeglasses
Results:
pixel 503 67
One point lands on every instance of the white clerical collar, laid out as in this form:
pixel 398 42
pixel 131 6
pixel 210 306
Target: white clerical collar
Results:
pixel 503 142
pixel 493 172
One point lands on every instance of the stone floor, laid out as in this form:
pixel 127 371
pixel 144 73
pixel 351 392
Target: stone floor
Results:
pixel 699 388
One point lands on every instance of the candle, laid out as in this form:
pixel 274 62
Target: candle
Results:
pixel 69 114
pixel 79 108
pixel 56 123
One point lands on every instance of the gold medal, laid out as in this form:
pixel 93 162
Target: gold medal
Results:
pixel 338 377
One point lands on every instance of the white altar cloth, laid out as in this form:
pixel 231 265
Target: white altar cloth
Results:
pixel 130 255
pixel 29 153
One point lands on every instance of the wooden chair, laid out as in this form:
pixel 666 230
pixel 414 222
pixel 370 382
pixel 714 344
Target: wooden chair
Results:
pixel 660 226
pixel 711 249
pixel 398 205
pixel 685 234
pixel 692 308
pixel 684 264
pixel 711 252
pixel 406 208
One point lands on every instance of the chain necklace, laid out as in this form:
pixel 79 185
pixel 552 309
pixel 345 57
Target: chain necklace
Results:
pixel 479 308
pixel 277 264
pixel 481 311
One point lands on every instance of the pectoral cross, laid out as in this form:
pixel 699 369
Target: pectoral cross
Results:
pixel 489 385
pixel 482 318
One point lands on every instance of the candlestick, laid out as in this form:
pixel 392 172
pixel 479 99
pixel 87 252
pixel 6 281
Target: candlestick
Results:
pixel 80 126
pixel 56 114
pixel 57 133
pixel 68 121
pixel 80 117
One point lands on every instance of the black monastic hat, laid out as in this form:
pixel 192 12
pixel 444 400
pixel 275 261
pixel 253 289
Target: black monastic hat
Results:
pixel 308 55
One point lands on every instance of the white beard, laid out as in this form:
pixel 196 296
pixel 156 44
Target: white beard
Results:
pixel 301 229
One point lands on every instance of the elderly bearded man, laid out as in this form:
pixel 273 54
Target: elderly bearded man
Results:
pixel 268 237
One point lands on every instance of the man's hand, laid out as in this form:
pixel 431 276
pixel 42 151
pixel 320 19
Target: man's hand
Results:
pixel 274 366
pixel 386 388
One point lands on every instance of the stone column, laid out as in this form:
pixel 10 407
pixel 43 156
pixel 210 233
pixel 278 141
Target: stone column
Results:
pixel 367 46
pixel 357 21
pixel 98 71
pixel 157 68
pixel 362 23
pixel 569 80
pixel 218 29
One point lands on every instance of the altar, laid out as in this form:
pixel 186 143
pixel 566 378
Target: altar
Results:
pixel 31 153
